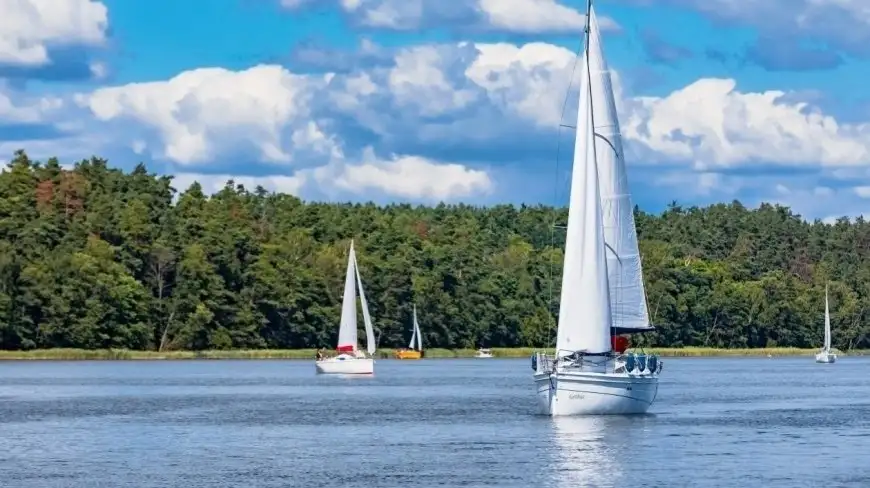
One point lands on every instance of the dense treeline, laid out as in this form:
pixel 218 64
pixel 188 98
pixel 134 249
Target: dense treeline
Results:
pixel 97 258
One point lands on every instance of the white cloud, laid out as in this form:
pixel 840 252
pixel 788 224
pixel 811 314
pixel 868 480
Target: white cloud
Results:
pixel 30 27
pixel 406 176
pixel 712 124
pixel 213 183
pixel 529 80
pixel 517 16
pixel 443 110
pixel 531 16
pixel 17 107
pixel 199 113
pixel 862 191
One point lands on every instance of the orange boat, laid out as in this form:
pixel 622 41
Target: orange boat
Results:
pixel 416 339
pixel 408 354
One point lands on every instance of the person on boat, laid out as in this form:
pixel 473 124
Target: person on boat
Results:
pixel 319 354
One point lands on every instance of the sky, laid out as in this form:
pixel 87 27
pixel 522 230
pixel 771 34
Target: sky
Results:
pixel 425 101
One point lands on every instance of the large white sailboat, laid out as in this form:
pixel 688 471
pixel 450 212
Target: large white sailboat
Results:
pixel 351 360
pixel 825 355
pixel 602 281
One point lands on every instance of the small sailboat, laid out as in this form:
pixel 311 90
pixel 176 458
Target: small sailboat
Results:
pixel 415 347
pixel 351 360
pixel 603 294
pixel 825 355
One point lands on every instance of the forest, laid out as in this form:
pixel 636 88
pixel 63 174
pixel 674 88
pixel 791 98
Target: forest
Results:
pixel 95 257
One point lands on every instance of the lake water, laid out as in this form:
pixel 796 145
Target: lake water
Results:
pixel 458 423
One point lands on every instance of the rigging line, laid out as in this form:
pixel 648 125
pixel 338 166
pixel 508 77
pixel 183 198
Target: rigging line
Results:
pixel 556 190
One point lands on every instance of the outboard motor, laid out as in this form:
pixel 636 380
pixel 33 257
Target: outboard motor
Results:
pixel 534 362
pixel 653 364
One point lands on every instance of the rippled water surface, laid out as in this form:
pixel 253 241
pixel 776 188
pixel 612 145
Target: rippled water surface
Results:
pixel 466 423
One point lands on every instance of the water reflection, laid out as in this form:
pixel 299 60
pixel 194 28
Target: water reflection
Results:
pixel 587 451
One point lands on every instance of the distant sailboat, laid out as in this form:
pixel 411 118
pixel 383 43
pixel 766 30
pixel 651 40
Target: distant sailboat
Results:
pixel 825 355
pixel 602 282
pixel 351 360
pixel 415 347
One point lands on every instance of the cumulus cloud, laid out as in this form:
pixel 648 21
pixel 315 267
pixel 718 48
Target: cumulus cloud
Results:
pixel 45 38
pixel 444 110
pixel 201 113
pixel 710 123
pixel 517 16
pixel 405 176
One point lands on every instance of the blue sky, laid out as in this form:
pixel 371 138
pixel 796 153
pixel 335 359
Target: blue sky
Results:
pixel 430 100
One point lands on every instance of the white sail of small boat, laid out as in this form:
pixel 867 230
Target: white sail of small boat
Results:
pixel 416 336
pixel 602 283
pixel 351 360
pixel 825 355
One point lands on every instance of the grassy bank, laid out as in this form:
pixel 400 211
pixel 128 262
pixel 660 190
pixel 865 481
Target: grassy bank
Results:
pixel 519 352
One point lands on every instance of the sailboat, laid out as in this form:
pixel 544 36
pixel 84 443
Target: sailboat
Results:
pixel 825 355
pixel 351 360
pixel 415 347
pixel 603 294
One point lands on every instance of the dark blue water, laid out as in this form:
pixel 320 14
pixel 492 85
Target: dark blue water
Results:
pixel 459 423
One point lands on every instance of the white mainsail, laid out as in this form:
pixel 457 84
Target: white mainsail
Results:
pixel 416 335
pixel 370 331
pixel 625 274
pixel 347 334
pixel 414 332
pixel 827 346
pixel 584 311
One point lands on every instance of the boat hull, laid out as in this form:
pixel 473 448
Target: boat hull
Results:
pixel 345 365
pixel 592 393
pixel 408 354
pixel 826 357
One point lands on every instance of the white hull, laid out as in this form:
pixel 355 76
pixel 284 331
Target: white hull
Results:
pixel 582 393
pixel 345 365
pixel 826 357
pixel 483 354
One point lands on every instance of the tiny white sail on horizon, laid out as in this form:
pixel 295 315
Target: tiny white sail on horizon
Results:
pixel 416 336
pixel 827 345
pixel 825 355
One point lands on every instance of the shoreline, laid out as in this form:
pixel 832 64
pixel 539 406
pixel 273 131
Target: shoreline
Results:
pixel 309 354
